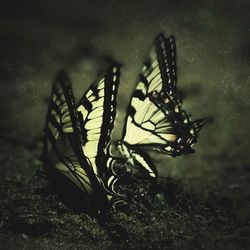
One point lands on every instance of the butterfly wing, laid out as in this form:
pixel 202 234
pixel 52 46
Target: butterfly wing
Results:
pixel 155 119
pixel 97 110
pixel 69 171
pixel 159 71
pixel 179 132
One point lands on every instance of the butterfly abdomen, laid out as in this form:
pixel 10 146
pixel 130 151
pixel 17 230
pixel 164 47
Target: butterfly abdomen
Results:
pixel 137 160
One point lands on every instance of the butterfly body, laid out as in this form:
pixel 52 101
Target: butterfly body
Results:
pixel 134 157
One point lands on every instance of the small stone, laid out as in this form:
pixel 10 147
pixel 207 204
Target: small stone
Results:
pixel 25 236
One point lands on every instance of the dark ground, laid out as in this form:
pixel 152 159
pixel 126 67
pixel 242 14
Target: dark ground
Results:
pixel 204 201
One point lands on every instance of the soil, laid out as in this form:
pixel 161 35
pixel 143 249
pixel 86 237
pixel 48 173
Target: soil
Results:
pixel 162 214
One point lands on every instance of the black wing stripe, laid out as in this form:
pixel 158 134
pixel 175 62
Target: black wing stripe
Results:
pixel 112 78
pixel 166 55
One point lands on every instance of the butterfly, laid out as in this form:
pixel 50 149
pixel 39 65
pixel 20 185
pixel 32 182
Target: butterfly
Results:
pixel 155 120
pixel 76 149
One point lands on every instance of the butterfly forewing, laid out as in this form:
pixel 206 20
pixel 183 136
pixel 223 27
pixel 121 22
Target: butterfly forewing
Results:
pixel 97 114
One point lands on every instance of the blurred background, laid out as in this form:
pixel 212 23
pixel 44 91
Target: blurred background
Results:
pixel 38 38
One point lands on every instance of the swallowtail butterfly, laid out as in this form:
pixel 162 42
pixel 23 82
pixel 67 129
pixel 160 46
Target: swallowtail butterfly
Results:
pixel 76 154
pixel 155 119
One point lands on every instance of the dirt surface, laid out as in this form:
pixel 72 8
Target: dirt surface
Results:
pixel 163 214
